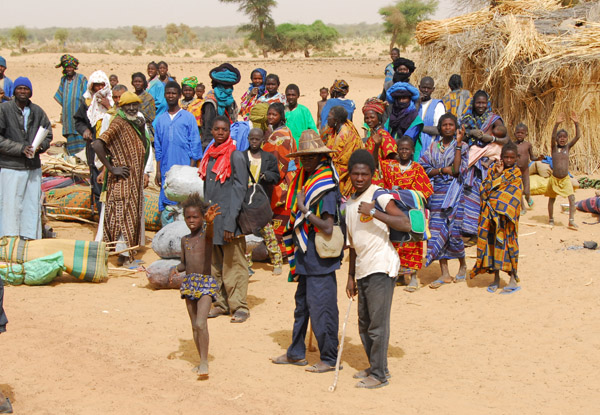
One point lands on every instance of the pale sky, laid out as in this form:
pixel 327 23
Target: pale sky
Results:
pixel 114 13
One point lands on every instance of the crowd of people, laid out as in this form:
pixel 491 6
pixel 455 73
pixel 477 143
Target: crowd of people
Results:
pixel 452 155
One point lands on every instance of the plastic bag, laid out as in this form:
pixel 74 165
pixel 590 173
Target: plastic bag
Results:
pixel 38 271
pixel 182 181
pixel 158 274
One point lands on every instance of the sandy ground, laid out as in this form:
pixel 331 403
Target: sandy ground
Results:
pixel 120 347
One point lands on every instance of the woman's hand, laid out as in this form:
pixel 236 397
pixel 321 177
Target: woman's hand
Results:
pixel 377 139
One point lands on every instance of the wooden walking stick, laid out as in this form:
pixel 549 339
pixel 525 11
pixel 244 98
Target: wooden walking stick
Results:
pixel 311 335
pixel 339 356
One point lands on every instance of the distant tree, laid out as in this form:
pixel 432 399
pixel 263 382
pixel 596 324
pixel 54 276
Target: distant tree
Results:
pixel 19 35
pixel 61 36
pixel 187 36
pixel 140 33
pixel 261 21
pixel 289 37
pixel 400 20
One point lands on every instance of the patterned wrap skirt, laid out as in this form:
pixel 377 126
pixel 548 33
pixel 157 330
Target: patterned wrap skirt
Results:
pixel 195 286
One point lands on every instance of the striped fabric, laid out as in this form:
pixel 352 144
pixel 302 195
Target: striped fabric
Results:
pixel 445 219
pixel 497 240
pixel 85 260
pixel 324 179
pixel 69 95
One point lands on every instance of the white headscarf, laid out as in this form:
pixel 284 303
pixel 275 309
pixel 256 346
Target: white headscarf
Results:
pixel 96 110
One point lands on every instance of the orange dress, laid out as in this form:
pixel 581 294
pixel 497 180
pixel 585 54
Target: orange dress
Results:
pixel 413 178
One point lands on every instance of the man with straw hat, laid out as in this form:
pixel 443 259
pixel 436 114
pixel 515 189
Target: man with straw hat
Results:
pixel 314 201
pixel 128 144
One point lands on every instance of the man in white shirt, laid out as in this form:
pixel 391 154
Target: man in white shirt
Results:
pixel 374 265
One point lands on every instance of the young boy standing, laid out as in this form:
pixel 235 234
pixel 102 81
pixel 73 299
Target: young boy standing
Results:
pixel 497 235
pixel 374 265
pixel 264 171
pixel 525 151
pixel 559 183
pixel 199 288
pixel 324 93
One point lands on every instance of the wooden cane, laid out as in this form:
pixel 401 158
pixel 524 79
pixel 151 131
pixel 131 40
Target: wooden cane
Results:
pixel 339 356
pixel 311 347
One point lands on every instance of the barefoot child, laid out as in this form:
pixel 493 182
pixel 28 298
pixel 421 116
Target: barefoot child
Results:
pixel 525 150
pixel 199 288
pixel 559 183
pixel 324 92
pixel 497 243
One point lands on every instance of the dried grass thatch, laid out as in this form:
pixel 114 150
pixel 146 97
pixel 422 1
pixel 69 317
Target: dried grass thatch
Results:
pixel 535 59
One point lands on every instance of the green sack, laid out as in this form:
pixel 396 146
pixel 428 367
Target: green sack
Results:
pixel 38 271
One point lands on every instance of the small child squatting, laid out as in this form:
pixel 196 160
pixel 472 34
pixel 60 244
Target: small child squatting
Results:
pixel 199 288
pixel 559 183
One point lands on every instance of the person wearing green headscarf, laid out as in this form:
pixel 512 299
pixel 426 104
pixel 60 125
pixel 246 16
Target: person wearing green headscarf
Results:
pixel 188 101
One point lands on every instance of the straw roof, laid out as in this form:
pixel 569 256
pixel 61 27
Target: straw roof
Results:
pixel 534 57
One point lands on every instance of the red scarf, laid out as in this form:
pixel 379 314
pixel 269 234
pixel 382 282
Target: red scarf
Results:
pixel 222 166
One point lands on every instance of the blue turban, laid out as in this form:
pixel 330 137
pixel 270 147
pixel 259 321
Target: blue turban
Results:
pixel 2 61
pixel 22 81
pixel 225 74
pixel 402 88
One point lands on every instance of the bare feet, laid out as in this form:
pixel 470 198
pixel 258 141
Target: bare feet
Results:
pixel 202 369
pixel 572 225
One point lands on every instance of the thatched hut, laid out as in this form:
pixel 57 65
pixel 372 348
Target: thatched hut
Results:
pixel 534 57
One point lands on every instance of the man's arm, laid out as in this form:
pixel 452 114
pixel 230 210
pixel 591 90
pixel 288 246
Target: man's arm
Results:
pixel 194 140
pixel 392 217
pixel 351 290
pixel 8 146
pixel 239 177
pixel 82 123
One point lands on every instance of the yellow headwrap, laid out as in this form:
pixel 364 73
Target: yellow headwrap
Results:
pixel 129 98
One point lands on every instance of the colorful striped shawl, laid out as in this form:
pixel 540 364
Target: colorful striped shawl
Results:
pixel 324 179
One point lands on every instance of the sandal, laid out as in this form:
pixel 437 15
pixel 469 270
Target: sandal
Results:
pixel 6 407
pixel 572 225
pixel 321 367
pixel 240 316
pixel 216 312
pixel 285 360
pixel 371 383
pixel 438 283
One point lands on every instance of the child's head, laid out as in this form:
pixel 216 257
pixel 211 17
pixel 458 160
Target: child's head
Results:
pixel 220 129
pixel 406 149
pixel 509 154
pixel 521 132
pixel 194 209
pixel 255 138
pixel 272 83
pixel 200 89
pixel 292 93
pixel 324 92
pixel 562 137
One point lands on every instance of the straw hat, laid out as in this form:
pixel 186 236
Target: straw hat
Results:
pixel 310 143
